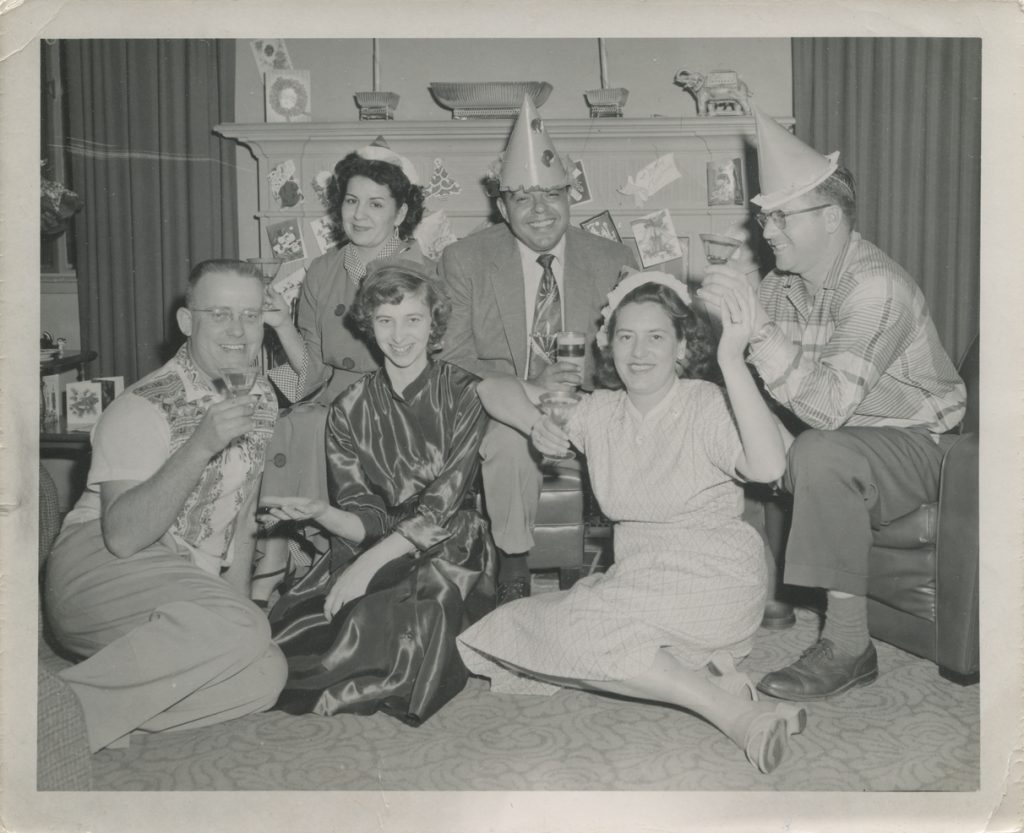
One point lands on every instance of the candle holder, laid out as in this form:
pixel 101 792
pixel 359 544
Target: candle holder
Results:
pixel 376 106
pixel 606 103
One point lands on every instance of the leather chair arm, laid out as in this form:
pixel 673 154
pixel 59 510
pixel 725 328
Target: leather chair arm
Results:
pixel 956 615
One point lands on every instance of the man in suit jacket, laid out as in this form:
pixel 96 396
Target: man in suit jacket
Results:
pixel 493 278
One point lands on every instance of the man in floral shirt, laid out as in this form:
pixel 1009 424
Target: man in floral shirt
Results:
pixel 149 578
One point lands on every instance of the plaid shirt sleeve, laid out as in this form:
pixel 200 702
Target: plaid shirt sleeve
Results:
pixel 823 376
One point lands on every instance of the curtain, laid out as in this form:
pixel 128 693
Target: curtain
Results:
pixel 158 185
pixel 905 113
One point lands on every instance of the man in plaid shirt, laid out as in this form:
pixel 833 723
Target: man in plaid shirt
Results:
pixel 844 341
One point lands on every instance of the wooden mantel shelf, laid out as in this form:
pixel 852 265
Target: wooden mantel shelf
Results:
pixel 561 129
pixel 611 150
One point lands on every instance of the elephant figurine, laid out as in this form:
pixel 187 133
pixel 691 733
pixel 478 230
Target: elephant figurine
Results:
pixel 722 90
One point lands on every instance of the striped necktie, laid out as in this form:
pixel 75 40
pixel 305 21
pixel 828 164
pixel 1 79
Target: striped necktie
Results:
pixel 547 318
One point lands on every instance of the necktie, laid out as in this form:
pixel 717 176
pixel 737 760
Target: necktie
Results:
pixel 547 318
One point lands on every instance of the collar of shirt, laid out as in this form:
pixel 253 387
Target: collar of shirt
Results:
pixel 197 385
pixel 532 273
pixel 796 286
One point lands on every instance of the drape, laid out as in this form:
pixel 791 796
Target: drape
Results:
pixel 905 114
pixel 158 185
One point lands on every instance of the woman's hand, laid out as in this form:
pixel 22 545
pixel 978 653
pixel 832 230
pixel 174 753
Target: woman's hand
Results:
pixel 349 585
pixel 548 438
pixel 739 321
pixel 720 279
pixel 559 376
pixel 277 311
pixel 275 509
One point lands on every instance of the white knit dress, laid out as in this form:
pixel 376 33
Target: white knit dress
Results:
pixel 689 574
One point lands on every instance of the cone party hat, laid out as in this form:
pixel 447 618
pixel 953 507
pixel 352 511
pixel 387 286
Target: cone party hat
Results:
pixel 787 167
pixel 380 151
pixel 531 161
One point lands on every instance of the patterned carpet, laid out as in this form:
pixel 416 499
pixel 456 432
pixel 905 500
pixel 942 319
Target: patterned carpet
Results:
pixel 912 730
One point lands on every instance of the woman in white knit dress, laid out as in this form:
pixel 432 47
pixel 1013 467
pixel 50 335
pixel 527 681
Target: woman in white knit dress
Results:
pixel 686 592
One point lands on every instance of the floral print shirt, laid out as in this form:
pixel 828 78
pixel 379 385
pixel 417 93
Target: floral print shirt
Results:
pixel 152 420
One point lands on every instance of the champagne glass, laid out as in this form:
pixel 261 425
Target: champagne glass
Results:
pixel 238 381
pixel 558 406
pixel 718 248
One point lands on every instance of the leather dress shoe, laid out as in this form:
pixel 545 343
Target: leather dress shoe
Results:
pixel 778 616
pixel 509 591
pixel 821 672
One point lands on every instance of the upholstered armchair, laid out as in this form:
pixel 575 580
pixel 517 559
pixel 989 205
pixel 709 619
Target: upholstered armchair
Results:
pixel 923 587
pixel 923 582
pixel 558 531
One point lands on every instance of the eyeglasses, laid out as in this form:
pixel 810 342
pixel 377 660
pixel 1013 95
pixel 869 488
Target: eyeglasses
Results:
pixel 223 315
pixel 779 216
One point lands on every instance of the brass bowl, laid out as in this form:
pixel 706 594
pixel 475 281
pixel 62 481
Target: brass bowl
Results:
pixel 489 95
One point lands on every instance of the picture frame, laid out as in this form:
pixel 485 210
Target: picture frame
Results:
pixel 286 240
pixel 579 187
pixel 284 187
pixel 288 97
pixel 680 267
pixel 602 225
pixel 656 239
pixel 85 401
pixel 270 54
pixel 725 182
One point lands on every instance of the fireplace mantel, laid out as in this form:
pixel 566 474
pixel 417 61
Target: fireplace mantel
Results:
pixel 611 150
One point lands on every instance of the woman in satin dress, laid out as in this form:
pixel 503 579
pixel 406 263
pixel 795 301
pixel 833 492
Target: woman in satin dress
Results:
pixel 373 625
pixel 375 203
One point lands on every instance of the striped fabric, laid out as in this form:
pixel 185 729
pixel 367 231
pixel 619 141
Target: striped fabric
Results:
pixel 863 352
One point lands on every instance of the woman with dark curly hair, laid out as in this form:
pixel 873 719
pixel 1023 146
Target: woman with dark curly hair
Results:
pixel 373 625
pixel 375 205
pixel 665 455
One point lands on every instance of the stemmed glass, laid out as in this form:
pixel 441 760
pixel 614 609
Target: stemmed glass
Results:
pixel 238 381
pixel 718 248
pixel 558 406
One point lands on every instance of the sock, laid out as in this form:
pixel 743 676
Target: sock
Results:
pixel 846 623
pixel 513 566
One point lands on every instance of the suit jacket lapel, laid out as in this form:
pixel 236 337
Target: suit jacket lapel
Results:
pixel 578 287
pixel 505 273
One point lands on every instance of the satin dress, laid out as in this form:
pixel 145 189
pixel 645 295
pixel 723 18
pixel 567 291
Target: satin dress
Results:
pixel 405 463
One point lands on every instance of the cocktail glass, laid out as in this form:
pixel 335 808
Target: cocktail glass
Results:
pixel 718 248
pixel 558 406
pixel 238 381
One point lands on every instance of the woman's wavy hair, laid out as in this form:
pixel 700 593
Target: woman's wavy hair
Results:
pixel 390 284
pixel 383 173
pixel 699 361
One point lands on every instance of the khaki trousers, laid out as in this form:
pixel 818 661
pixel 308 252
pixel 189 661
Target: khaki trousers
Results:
pixel 168 645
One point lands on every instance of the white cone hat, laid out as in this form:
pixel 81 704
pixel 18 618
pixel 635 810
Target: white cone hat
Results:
pixel 787 167
pixel 531 161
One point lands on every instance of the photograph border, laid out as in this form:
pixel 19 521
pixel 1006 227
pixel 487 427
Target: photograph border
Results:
pixel 995 806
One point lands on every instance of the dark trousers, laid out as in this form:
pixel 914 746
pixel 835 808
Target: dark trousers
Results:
pixel 844 484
